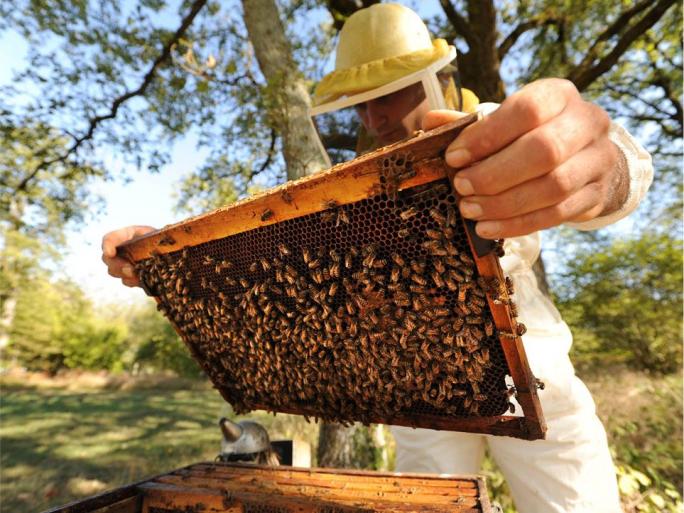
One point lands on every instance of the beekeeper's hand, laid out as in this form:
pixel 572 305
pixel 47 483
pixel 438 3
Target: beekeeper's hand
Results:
pixel 541 159
pixel 116 266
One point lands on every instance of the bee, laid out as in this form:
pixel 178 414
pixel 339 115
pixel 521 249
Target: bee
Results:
pixel 284 250
pixel 439 266
pixel 408 213
pixel 437 278
pixel 434 248
pixel 342 217
pixel 484 355
pixel 419 280
pixel 334 255
pixel 348 260
pixel 462 291
pixel 450 248
pixel 466 259
pixel 437 216
pixel 286 197
pixel 244 282
pixel 266 214
pixel 434 234
pixel 394 274
pixel 231 281
pixel 509 286
pixel 350 307
pixel 379 263
pixel 451 217
pixel 507 334
pixel 417 267
pixel 328 216
pixel 489 327
pixel 314 264
pixel 402 299
pixel 398 259
pixel 330 204
pixel 511 407
pixel 208 260
pixel 403 233
pixel 478 296
pixel 265 264
pixel 520 329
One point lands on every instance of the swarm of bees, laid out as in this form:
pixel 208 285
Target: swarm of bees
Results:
pixel 366 322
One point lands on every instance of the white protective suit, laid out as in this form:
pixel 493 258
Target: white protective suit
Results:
pixel 571 471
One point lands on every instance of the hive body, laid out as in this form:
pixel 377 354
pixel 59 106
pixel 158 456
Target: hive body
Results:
pixel 353 296
pixel 244 488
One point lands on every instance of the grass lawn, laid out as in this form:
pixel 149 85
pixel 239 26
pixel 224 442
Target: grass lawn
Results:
pixel 61 441
pixel 58 445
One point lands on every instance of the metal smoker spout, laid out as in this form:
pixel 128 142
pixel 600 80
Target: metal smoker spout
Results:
pixel 245 441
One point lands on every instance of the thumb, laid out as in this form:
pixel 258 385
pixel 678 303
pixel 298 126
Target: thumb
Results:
pixel 440 117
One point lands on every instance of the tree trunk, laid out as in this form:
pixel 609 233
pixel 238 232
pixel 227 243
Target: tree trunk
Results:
pixel 335 446
pixel 8 306
pixel 290 113
pixel 303 154
pixel 480 66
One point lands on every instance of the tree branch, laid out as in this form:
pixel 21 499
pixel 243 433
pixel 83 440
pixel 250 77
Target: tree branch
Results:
pixel 147 80
pixel 512 38
pixel 269 156
pixel 585 73
pixel 340 10
pixel 459 23
pixel 677 115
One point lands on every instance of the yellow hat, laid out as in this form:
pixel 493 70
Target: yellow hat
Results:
pixel 379 45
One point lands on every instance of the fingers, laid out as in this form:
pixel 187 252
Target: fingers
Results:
pixel 131 282
pixel 522 112
pixel 535 153
pixel 116 266
pixel 436 118
pixel 583 205
pixel 575 191
pixel 111 240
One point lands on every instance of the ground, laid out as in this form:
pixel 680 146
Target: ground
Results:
pixel 68 438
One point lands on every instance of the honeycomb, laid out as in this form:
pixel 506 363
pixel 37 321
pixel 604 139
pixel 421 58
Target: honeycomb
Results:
pixel 370 311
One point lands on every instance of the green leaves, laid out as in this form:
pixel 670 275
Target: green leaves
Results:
pixel 624 299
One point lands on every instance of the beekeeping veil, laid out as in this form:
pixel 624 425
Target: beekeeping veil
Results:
pixel 383 49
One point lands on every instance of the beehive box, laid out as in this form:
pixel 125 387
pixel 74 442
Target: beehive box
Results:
pixel 356 294
pixel 244 488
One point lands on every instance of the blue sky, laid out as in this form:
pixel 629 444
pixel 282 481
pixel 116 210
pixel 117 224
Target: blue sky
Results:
pixel 146 199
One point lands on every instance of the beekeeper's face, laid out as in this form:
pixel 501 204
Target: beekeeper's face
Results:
pixel 394 117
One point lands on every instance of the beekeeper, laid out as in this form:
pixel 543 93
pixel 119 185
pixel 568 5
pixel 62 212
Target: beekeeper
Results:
pixel 545 157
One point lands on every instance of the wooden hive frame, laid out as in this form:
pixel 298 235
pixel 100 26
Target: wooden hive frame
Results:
pixel 245 488
pixel 345 185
